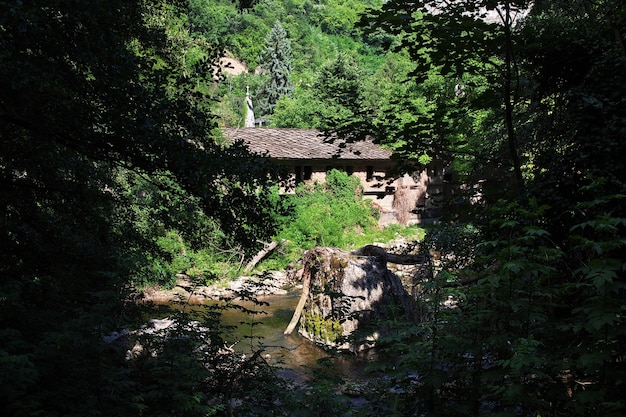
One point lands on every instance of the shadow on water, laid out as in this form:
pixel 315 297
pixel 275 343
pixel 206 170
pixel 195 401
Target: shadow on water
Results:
pixel 262 328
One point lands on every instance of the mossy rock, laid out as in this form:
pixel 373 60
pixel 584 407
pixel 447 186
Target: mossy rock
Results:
pixel 349 297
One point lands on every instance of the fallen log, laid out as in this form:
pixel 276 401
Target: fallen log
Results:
pixel 306 286
pixel 378 252
pixel 267 248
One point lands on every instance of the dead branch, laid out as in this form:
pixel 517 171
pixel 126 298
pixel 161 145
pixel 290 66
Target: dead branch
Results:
pixel 378 252
pixel 267 248
pixel 306 286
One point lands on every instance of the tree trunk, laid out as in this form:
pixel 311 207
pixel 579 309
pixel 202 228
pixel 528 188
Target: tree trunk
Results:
pixel 508 101
pixel 306 285
pixel 267 248
pixel 371 250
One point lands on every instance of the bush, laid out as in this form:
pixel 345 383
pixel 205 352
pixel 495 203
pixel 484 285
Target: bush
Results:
pixel 328 214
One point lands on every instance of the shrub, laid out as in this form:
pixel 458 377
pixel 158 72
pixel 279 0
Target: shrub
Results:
pixel 328 214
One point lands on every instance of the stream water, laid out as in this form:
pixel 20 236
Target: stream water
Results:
pixel 295 356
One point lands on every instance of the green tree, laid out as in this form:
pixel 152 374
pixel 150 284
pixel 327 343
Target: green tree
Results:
pixel 275 61
pixel 538 328
pixel 214 20
pixel 107 140
pixel 301 110
pixel 339 87
pixel 339 16
pixel 578 118
pixel 470 44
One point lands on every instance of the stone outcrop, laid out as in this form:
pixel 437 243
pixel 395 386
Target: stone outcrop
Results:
pixel 349 299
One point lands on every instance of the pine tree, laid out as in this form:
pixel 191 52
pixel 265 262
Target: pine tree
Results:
pixel 276 61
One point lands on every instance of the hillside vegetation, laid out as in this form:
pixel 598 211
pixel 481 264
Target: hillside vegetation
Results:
pixel 114 175
pixel 330 58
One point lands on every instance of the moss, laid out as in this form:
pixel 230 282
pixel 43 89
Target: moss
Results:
pixel 337 263
pixel 325 329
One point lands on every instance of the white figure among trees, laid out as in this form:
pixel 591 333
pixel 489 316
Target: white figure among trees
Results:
pixel 249 109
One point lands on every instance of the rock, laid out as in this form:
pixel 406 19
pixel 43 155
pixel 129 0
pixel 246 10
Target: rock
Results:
pixel 160 324
pixel 236 285
pixel 350 298
pixel 269 283
pixel 121 338
pixel 149 338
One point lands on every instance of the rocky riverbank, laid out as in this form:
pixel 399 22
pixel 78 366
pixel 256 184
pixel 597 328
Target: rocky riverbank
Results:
pixel 280 282
pixel 274 283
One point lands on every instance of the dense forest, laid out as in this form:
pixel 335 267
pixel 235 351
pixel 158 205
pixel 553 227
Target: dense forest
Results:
pixel 115 176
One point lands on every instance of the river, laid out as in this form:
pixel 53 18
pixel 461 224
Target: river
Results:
pixel 294 356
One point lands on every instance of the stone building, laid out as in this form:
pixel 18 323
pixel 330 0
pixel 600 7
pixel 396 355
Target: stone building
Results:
pixel 309 155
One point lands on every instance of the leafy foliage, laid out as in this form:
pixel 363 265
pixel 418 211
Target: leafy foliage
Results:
pixel 339 87
pixel 327 214
pixel 469 97
pixel 522 322
pixel 108 156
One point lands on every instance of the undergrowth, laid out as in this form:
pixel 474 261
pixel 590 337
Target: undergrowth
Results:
pixel 331 214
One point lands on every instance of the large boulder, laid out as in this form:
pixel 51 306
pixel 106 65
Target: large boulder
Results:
pixel 349 299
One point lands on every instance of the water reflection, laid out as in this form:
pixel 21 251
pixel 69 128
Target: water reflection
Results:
pixel 262 328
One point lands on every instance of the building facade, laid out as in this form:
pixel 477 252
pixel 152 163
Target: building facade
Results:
pixel 308 155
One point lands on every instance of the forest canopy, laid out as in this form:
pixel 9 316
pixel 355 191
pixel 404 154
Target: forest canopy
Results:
pixel 114 175
pixel 107 143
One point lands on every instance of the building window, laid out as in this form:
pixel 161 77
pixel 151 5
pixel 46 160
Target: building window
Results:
pixel 308 173
pixel 369 173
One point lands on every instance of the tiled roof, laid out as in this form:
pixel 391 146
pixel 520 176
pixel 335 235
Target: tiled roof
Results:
pixel 307 144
